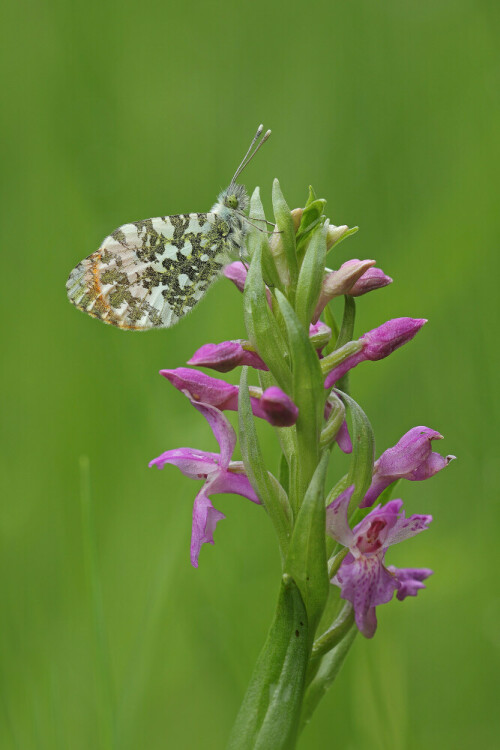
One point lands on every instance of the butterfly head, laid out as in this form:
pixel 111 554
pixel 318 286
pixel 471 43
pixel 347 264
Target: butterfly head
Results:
pixel 234 197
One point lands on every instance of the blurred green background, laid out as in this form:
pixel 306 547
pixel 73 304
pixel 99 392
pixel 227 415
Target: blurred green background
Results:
pixel 113 112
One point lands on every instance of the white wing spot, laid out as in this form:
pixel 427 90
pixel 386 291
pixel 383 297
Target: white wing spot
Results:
pixel 183 280
pixel 204 257
pixel 186 248
pixel 170 252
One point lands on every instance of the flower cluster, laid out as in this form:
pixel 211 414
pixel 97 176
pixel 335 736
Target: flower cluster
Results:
pixel 301 362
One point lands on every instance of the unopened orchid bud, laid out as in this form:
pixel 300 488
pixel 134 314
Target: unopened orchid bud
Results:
pixel 372 279
pixel 226 356
pixel 273 405
pixel 200 387
pixel 279 408
pixel 237 273
pixel 296 217
pixel 382 341
pixel 411 458
pixel 319 334
pixel 335 234
pixel 377 344
pixel 337 283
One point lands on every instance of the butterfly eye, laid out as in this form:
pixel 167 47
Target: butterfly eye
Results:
pixel 232 201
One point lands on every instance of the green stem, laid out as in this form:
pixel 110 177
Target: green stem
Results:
pixel 269 715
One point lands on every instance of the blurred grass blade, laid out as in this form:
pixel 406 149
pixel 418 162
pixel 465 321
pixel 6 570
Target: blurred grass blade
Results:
pixel 105 697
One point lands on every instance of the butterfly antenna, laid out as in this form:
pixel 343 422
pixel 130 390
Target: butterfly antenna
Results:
pixel 249 156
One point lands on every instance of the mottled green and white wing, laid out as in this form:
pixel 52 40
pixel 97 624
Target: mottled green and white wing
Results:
pixel 148 274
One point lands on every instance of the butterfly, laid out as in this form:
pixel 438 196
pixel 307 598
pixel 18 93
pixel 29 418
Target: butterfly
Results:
pixel 149 274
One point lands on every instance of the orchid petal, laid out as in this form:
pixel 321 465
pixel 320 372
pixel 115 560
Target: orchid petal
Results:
pixel 409 580
pixel 365 583
pixel 205 518
pixel 201 387
pixel 343 438
pixel 222 429
pixel 231 483
pixel 193 464
pixel 336 518
pixel 405 528
pixel 434 463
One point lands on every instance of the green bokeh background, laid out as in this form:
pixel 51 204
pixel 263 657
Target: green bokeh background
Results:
pixel 114 112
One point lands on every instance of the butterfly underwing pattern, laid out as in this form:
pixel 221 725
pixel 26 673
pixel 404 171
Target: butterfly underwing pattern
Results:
pixel 148 274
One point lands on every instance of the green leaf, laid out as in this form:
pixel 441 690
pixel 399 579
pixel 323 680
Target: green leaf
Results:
pixel 363 450
pixel 268 489
pixel 346 333
pixel 285 225
pixel 311 217
pixel 311 276
pixel 348 233
pixel 311 197
pixel 270 712
pixel 258 236
pixel 284 475
pixel 306 561
pixel 335 633
pixel 308 394
pixel 262 328
pixel 334 421
pixel 286 435
pixel 330 321
pixel 327 672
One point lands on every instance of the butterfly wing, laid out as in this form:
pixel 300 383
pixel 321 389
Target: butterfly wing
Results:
pixel 150 273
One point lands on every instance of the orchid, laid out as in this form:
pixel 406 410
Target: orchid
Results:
pixel 362 577
pixel 200 387
pixel 220 475
pixel 377 344
pixel 411 458
pixel 294 358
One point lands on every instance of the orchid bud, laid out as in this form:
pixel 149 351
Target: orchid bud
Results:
pixel 237 273
pixel 373 278
pixel 200 387
pixel 319 334
pixel 279 408
pixel 335 234
pixel 226 356
pixel 382 341
pixel 337 283
pixel 377 344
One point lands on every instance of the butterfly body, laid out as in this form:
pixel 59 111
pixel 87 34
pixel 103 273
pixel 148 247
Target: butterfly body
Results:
pixel 149 274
